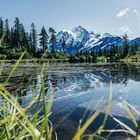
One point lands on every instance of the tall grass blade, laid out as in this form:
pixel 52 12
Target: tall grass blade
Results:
pixel 132 132
pixel 15 66
pixel 107 110
pixel 132 117
pixel 85 126
pixel 35 133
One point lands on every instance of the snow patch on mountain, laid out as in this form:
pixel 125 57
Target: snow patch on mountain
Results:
pixel 79 39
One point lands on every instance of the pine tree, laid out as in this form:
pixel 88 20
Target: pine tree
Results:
pixel 7 36
pixel 136 49
pixel 2 32
pixel 100 53
pixel 12 38
pixel 1 27
pixel 52 39
pixel 24 36
pixel 111 56
pixel 105 52
pixel 94 57
pixel 125 45
pixel 44 39
pixel 17 33
pixel 33 40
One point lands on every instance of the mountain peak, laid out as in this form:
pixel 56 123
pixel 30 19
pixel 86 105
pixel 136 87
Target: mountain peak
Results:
pixel 79 29
pixel 79 39
pixel 107 35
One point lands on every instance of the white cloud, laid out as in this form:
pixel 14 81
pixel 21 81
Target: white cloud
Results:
pixel 125 29
pixel 123 12
pixel 135 11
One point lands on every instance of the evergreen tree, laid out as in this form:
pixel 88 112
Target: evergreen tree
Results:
pixel 1 27
pixel 2 32
pixel 44 39
pixel 52 39
pixel 17 33
pixel 33 40
pixel 86 56
pixel 105 53
pixel 25 41
pixel 100 53
pixel 111 56
pixel 134 49
pixel 125 45
pixel 23 38
pixel 7 36
pixel 93 56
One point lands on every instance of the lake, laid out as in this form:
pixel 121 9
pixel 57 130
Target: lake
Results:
pixel 80 89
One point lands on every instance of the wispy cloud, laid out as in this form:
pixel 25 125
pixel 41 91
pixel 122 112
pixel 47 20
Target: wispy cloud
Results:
pixel 123 12
pixel 135 11
pixel 125 29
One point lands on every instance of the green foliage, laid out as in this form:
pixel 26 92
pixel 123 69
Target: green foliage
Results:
pixel 33 40
pixel 1 27
pixel 44 39
pixel 125 46
pixel 52 40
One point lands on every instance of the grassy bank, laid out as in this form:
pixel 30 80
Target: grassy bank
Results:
pixel 48 61
pixel 134 58
pixel 35 61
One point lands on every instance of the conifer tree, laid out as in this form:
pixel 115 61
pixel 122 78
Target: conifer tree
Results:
pixel 17 33
pixel 125 45
pixel 52 39
pixel 7 38
pixel 44 39
pixel 1 27
pixel 33 40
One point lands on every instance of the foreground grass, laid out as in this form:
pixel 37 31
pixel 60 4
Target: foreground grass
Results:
pixel 16 122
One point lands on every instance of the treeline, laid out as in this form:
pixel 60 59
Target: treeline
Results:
pixel 112 54
pixel 37 45
pixel 17 39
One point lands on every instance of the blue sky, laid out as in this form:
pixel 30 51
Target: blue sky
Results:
pixel 113 16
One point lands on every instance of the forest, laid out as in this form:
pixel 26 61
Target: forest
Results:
pixel 16 39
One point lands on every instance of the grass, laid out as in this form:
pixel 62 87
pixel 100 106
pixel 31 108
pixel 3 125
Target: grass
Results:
pixel 16 122
pixel 132 59
pixel 101 59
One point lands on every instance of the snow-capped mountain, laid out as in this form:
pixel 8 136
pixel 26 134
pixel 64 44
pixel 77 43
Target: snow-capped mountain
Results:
pixel 75 39
pixel 79 39
pixel 104 41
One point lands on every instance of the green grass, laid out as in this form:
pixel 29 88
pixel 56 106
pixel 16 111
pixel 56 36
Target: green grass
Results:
pixel 16 122
pixel 130 59
pixel 101 59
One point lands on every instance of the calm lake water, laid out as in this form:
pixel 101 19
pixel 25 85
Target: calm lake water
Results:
pixel 79 91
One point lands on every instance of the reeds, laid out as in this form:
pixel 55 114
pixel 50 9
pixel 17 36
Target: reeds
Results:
pixel 16 122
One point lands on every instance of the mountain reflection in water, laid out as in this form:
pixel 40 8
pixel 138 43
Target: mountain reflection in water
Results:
pixel 79 91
